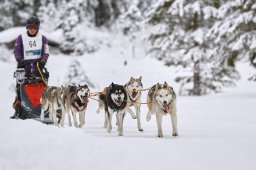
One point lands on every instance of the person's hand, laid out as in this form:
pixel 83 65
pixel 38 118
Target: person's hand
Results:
pixel 42 63
pixel 21 64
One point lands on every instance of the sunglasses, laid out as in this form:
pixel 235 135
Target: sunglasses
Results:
pixel 32 27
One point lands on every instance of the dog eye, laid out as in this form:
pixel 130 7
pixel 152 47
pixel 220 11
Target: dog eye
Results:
pixel 166 95
pixel 160 95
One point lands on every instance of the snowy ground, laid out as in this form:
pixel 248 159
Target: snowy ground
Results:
pixel 217 131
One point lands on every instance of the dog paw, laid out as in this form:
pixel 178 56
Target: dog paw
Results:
pixel 81 125
pixel 175 134
pixel 160 135
pixel 120 134
pixel 134 117
pixel 141 130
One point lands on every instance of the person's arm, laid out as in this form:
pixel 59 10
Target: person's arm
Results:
pixel 45 52
pixel 18 49
pixel 45 49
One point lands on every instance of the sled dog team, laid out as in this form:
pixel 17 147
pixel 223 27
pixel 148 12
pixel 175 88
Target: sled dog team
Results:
pixel 161 100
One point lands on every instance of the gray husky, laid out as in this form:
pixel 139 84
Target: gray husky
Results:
pixel 161 101
pixel 52 99
pixel 133 88
pixel 75 100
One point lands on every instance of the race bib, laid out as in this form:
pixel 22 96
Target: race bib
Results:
pixel 32 46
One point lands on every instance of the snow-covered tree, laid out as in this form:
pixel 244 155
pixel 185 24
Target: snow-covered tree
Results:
pixel 131 20
pixel 76 18
pixel 49 15
pixel 76 75
pixel 253 63
pixel 15 12
pixel 178 38
pixel 234 32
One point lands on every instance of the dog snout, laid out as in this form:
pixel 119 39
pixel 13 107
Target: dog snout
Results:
pixel 165 102
pixel 119 98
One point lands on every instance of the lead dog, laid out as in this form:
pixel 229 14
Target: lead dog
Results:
pixel 133 88
pixel 114 99
pixel 161 101
pixel 75 100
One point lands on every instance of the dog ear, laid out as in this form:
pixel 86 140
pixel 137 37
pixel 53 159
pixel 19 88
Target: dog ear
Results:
pixel 131 79
pixel 157 86
pixel 79 85
pixel 140 78
pixel 111 85
pixel 165 84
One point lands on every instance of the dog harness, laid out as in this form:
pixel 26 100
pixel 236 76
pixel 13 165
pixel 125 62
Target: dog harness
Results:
pixel 76 104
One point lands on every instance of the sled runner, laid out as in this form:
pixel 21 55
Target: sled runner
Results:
pixel 30 89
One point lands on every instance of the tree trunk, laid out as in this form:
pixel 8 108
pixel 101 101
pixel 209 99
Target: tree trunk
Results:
pixel 197 88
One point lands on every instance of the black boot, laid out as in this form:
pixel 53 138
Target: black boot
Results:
pixel 16 103
pixel 16 113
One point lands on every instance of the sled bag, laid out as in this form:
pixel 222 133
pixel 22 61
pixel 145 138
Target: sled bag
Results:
pixel 34 92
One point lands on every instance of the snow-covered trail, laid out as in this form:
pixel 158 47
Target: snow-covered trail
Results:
pixel 215 131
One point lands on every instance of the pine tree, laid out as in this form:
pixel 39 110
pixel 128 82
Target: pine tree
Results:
pixel 50 15
pixel 234 32
pixel 130 21
pixel 15 13
pixel 76 75
pixel 178 38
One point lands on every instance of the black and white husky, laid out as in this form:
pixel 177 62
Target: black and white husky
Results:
pixel 161 101
pixel 133 88
pixel 75 100
pixel 114 99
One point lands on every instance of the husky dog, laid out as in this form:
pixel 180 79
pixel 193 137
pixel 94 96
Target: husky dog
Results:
pixel 52 99
pixel 133 88
pixel 114 99
pixel 76 100
pixel 161 101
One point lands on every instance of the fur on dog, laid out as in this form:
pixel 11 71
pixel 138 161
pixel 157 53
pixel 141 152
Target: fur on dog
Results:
pixel 133 88
pixel 161 101
pixel 114 99
pixel 75 100
pixel 52 99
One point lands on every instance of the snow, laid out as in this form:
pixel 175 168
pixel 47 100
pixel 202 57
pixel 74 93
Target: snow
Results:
pixel 216 131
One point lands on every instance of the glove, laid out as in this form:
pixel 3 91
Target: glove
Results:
pixel 42 63
pixel 21 64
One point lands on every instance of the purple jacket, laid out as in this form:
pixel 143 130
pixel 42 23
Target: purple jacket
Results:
pixel 30 64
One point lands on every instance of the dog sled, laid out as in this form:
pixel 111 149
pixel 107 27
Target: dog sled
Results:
pixel 30 89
